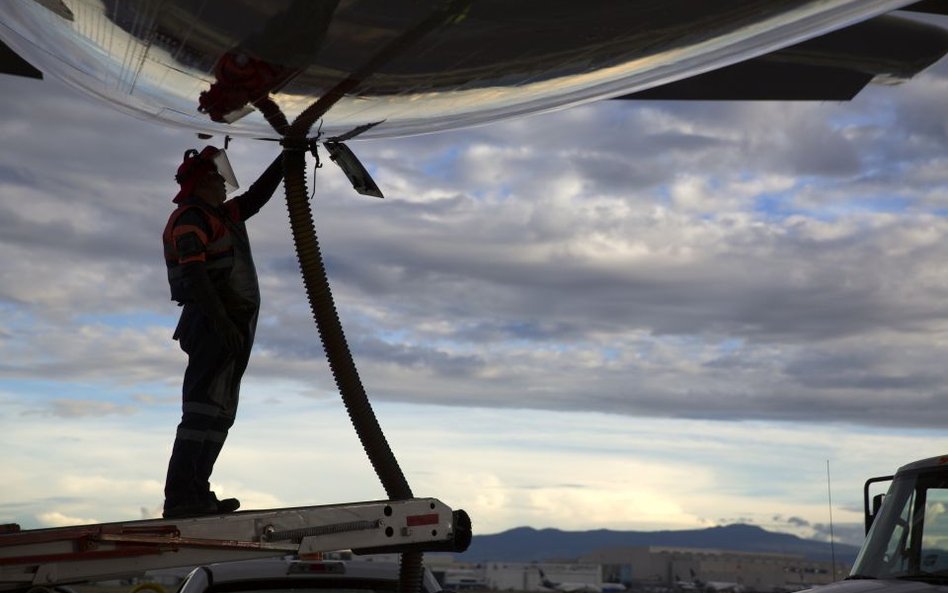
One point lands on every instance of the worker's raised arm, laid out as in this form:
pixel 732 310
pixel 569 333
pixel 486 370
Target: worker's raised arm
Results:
pixel 260 191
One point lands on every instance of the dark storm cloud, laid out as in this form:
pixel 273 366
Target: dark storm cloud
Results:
pixel 443 364
pixel 858 370
pixel 106 239
pixel 16 176
pixel 789 138
pixel 788 285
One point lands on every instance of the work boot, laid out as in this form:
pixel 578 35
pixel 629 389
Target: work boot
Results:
pixel 189 509
pixel 227 505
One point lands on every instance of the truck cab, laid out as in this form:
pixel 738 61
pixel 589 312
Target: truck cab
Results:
pixel 906 547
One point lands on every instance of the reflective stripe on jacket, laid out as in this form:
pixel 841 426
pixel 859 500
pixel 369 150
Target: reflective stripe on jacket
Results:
pixel 222 245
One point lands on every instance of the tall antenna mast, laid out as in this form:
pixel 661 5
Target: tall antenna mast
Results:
pixel 829 497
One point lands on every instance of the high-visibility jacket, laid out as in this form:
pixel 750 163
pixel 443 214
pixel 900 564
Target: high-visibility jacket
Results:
pixel 198 232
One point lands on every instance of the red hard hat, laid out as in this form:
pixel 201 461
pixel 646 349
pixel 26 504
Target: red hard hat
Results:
pixel 196 165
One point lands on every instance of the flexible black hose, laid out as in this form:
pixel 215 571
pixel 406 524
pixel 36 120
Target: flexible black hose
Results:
pixel 338 354
pixel 273 114
pixel 316 282
pixel 330 330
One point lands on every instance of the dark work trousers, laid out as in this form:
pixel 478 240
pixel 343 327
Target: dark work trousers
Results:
pixel 210 394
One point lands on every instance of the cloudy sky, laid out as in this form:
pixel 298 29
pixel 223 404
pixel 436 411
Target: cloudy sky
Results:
pixel 624 316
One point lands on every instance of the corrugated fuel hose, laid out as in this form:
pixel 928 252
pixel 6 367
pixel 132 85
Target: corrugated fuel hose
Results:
pixel 295 142
pixel 331 334
pixel 330 330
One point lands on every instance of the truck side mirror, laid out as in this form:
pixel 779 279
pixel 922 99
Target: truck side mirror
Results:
pixel 876 505
pixel 876 500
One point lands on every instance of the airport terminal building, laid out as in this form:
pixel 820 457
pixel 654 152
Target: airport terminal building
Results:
pixel 652 569
pixel 665 568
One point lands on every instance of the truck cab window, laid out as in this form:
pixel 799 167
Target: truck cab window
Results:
pixel 934 542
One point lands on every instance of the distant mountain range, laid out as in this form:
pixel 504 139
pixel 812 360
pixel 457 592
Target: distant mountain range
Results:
pixel 525 544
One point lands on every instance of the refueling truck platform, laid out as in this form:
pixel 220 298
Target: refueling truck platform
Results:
pixel 66 555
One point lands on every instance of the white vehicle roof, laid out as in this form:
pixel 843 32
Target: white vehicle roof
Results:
pixel 926 463
pixel 280 574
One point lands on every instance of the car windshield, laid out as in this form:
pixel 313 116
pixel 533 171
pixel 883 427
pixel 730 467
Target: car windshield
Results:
pixel 909 537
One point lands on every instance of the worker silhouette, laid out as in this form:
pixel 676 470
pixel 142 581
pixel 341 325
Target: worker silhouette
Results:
pixel 213 278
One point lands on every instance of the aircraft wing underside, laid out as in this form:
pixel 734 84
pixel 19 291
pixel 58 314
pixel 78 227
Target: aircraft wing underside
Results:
pixel 400 67
pixel 832 67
